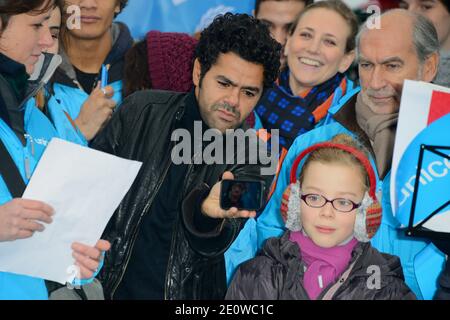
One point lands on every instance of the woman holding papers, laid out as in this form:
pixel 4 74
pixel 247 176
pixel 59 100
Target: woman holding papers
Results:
pixel 24 133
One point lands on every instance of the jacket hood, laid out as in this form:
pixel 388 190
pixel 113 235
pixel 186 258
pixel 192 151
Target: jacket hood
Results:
pixel 43 72
pixel 13 104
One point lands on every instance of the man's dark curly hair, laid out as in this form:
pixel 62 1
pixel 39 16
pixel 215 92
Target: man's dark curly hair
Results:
pixel 243 35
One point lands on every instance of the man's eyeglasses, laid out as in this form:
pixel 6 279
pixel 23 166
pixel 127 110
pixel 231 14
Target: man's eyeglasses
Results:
pixel 318 201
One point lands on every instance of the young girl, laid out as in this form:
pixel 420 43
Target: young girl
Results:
pixel 332 212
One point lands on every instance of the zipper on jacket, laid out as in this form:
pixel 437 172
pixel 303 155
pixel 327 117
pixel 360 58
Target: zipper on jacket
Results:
pixel 340 283
pixel 169 263
pixel 113 291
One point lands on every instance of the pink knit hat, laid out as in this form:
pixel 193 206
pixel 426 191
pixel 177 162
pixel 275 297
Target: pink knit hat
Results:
pixel 170 60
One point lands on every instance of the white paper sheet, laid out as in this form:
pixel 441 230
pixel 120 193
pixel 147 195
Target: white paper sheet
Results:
pixel 84 186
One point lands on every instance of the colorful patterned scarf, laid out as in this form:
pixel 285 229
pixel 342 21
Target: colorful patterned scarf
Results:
pixel 293 114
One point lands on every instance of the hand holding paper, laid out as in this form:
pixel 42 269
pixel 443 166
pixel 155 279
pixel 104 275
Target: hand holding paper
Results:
pixel 84 187
pixel 20 218
pixel 88 258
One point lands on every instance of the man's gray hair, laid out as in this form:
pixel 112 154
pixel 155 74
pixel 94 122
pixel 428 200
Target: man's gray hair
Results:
pixel 425 37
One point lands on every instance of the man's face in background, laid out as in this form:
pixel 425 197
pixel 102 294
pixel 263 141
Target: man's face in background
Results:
pixel 96 17
pixel 279 16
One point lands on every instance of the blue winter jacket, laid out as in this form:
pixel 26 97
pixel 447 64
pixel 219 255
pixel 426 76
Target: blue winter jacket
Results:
pixel 40 129
pixel 68 91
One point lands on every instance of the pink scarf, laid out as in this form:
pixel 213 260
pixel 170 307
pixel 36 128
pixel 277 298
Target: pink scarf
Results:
pixel 324 265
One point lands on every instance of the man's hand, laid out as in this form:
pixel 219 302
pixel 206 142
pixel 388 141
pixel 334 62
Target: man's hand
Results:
pixel 211 205
pixel 19 218
pixel 96 111
pixel 88 258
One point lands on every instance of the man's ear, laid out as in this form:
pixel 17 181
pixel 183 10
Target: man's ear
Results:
pixel 430 67
pixel 196 72
pixel 346 62
pixel 253 13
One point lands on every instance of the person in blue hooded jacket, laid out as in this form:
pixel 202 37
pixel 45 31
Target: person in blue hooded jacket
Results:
pixel 405 47
pixel 89 40
pixel 24 133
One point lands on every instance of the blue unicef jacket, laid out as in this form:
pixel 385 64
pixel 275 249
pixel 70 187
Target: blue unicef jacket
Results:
pixel 40 129
pixel 421 261
pixel 68 91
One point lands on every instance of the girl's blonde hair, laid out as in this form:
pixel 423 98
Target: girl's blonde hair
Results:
pixel 334 155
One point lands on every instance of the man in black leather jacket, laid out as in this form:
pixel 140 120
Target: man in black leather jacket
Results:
pixel 169 233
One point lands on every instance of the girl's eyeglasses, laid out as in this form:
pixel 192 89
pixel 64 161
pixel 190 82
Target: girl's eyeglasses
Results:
pixel 318 201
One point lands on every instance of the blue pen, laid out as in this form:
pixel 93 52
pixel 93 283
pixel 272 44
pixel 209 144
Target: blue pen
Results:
pixel 104 79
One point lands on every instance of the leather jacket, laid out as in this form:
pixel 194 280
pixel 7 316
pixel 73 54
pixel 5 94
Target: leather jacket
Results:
pixel 141 130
